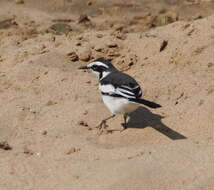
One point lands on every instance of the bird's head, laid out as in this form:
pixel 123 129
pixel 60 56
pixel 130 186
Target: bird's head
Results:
pixel 100 67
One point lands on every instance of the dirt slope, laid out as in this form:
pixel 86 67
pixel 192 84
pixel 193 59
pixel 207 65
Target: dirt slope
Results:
pixel 49 108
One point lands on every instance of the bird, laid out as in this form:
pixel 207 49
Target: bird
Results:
pixel 120 92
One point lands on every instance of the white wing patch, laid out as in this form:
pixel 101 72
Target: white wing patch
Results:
pixel 107 88
pixel 131 91
pixel 126 92
pixel 139 93
pixel 128 87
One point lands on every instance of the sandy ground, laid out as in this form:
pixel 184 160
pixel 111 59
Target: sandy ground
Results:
pixel 49 109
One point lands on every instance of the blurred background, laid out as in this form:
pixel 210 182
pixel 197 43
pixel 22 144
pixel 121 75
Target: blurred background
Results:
pixel 129 16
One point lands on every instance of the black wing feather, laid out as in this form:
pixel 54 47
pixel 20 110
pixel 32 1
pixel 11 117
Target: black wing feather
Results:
pixel 124 84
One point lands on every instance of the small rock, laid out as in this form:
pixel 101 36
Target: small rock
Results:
pixel 73 56
pixel 83 18
pixel 186 26
pixel 201 102
pixel 99 35
pixel 127 62
pixel 118 27
pixel 163 45
pixel 198 17
pixel 162 11
pixel 210 91
pixel 85 54
pixel 19 1
pixel 120 35
pixel 5 146
pixel 111 44
pixel 76 177
pixel 7 22
pixel 99 47
pixel 196 142
pixel 50 103
pixel 53 38
pixel 192 2
pixel 89 3
pixel 111 53
pixel 63 20
pixel 191 32
pixel 79 37
pixel 78 44
pixel 85 112
pixel 72 150
pixel 130 157
pixel 83 123
pixel 210 65
pixel 27 151
pixel 44 132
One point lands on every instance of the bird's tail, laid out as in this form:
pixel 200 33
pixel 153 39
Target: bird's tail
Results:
pixel 146 102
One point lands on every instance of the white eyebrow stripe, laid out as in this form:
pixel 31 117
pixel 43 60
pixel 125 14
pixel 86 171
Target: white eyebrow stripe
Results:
pixel 98 63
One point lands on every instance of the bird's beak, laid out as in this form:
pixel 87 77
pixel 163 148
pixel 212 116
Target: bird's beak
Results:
pixel 83 67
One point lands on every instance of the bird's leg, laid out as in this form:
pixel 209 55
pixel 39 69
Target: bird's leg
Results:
pixel 103 123
pixel 124 124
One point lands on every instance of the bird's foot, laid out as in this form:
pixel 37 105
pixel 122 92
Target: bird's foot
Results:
pixel 124 127
pixel 102 125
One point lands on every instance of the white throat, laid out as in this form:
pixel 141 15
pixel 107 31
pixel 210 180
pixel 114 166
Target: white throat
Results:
pixel 105 74
pixel 96 73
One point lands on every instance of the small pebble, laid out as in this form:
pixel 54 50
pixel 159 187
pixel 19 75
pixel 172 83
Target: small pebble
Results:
pixel 44 132
pixel 89 3
pixel 111 44
pixel 99 47
pixel 84 54
pixel 50 103
pixel 99 35
pixel 72 150
pixel 83 18
pixel 19 1
pixel 83 123
pixel 73 56
pixel 5 146
pixel 78 44
pixel 27 151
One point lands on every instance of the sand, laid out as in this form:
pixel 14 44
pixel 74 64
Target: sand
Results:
pixel 49 109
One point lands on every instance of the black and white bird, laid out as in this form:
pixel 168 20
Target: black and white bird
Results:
pixel 120 92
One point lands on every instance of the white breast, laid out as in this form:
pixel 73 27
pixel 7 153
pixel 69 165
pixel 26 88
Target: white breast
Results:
pixel 116 104
pixel 119 105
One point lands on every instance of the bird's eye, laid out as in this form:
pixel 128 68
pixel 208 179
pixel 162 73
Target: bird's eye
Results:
pixel 94 67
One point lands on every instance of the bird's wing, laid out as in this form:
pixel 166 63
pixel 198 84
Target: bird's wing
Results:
pixel 120 85
pixel 107 89
pixel 129 92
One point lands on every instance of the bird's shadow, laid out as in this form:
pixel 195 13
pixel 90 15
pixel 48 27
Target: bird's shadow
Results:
pixel 142 118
